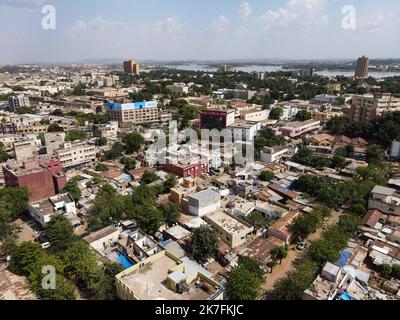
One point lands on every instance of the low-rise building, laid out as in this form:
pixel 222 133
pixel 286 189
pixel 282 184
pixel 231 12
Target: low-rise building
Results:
pixel 178 89
pixel 282 228
pixel 164 276
pixel 53 141
pixel 43 210
pixel 42 179
pixel 204 202
pixel 386 200
pixel 74 154
pixel 25 150
pixel 254 115
pixel 192 169
pixel 325 116
pixel 231 230
pixel 276 154
pixel 296 129
pixel 107 130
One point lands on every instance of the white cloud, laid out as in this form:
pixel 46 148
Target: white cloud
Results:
pixel 170 26
pixel 98 25
pixel 377 22
pixel 244 11
pixel 219 25
pixel 22 4
pixel 295 13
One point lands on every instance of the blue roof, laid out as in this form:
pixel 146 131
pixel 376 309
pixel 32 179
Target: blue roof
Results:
pixel 344 257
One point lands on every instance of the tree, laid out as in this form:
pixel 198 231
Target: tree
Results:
pixel 339 162
pixel 358 210
pixel 322 251
pixel 276 114
pixel 129 163
pixel 115 152
pixel 80 265
pixel 25 257
pixel 306 224
pixel 271 264
pixel 169 183
pixel 303 115
pixel 350 223
pixel 171 213
pixel 57 113
pixel 204 243
pixel 100 167
pixel 374 154
pixel 72 188
pixel 3 155
pixel 266 175
pixel 54 127
pixel 386 270
pixel 253 266
pixel 149 218
pixel 292 287
pixel 306 157
pixel 280 253
pixel 13 202
pixel 64 290
pixel 105 288
pixel 149 177
pixel 337 125
pixel 243 285
pixel 100 142
pixel 257 220
pixel 75 135
pixel 133 142
pixel 60 233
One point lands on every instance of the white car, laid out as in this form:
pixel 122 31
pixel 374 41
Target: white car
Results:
pixel 46 245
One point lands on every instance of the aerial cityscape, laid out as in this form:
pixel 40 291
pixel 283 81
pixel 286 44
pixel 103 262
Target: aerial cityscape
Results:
pixel 259 162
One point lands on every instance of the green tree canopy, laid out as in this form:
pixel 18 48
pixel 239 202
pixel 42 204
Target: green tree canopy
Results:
pixel 204 243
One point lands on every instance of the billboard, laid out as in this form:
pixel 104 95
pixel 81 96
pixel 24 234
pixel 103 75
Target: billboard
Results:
pixel 132 106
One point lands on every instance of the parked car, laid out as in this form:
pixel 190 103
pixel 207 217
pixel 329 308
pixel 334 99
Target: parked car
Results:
pixel 46 245
pixel 301 246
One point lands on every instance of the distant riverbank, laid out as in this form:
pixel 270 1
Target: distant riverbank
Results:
pixel 273 68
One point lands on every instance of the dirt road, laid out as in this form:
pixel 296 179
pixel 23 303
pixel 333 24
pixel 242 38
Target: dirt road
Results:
pixel 280 271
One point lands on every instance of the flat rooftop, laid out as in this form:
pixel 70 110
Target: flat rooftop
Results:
pixel 228 223
pixel 150 282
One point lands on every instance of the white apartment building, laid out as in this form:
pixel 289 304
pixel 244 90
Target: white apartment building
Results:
pixel 289 111
pixel 178 89
pixel 204 202
pixel 73 154
pixel 254 115
pixel 43 210
pixel 275 154
pixel 296 129
pixel 244 131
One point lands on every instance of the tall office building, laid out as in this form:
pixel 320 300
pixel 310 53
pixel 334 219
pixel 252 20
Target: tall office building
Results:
pixel 362 67
pixel 131 67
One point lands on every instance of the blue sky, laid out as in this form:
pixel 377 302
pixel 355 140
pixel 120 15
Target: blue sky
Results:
pixel 187 29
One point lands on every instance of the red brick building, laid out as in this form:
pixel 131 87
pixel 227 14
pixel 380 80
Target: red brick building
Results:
pixel 43 180
pixel 187 170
